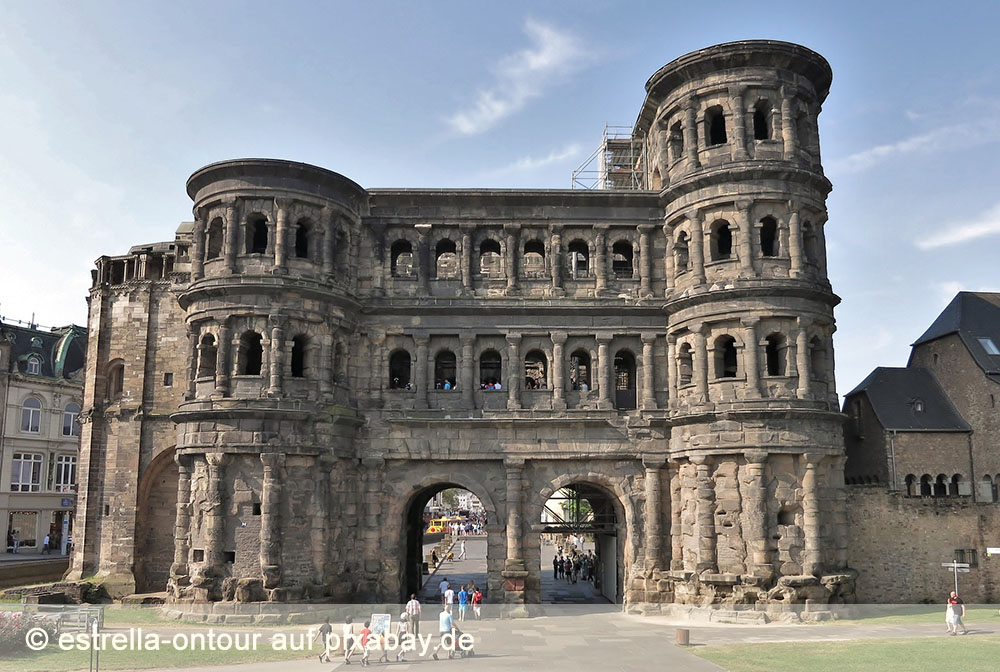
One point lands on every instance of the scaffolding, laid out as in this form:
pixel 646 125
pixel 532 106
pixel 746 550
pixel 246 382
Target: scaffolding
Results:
pixel 619 162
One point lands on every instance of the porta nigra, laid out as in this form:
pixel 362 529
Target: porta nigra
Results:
pixel 272 396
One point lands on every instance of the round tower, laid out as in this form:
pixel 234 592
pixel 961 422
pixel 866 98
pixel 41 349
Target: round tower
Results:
pixel 756 441
pixel 270 314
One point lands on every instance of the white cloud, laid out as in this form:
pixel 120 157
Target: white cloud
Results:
pixel 529 163
pixel 987 224
pixel 520 77
pixel 946 138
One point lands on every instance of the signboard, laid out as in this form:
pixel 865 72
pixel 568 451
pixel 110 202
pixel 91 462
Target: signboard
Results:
pixel 954 565
pixel 992 551
pixel 381 623
pixel 66 502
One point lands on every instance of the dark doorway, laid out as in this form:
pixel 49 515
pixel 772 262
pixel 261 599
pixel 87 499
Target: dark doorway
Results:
pixel 624 380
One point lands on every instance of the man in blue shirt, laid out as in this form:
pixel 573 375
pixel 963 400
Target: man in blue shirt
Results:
pixel 463 603
pixel 446 628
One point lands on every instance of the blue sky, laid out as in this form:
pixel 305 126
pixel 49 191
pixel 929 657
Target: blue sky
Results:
pixel 106 108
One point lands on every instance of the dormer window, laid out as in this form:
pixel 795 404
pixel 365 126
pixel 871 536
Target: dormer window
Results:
pixel 918 405
pixel 36 342
pixel 989 346
pixel 34 366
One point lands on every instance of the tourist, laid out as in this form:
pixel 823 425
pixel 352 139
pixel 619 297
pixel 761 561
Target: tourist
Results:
pixel 413 611
pixel 461 552
pixel 555 567
pixel 446 626
pixel 324 633
pixel 443 587
pixel 954 613
pixel 45 545
pixel 15 540
pixel 463 603
pixel 449 597
pixel 349 642
pixel 477 604
pixel 366 634
pixel 402 629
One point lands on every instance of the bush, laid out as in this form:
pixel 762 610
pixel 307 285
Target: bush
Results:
pixel 13 628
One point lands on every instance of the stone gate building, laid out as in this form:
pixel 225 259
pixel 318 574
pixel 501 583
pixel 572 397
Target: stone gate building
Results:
pixel 273 396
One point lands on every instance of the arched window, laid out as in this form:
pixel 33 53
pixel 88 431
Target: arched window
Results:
pixel 722 240
pixel 911 485
pixel 535 368
pixel 817 358
pixel 810 243
pixel 207 356
pixel 762 120
pixel 257 234
pixel 213 247
pixel 954 488
pixel 33 366
pixel 115 380
pixel 802 130
pixel 31 415
pixel 444 371
pixel 302 233
pixel 401 259
pixel 987 489
pixel 300 346
pixel 775 352
pixel 621 259
pixel 445 259
pixel 250 354
pixel 489 369
pixel 685 365
pixel 399 370
pixel 769 237
pixel 625 380
pixel 340 363
pixel 675 143
pixel 941 486
pixel 725 357
pixel 682 260
pixel 489 259
pixel 579 259
pixel 715 126
pixel 534 258
pixel 926 486
pixel 579 370
pixel 71 416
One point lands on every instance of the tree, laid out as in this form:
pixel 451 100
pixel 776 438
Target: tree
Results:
pixel 449 498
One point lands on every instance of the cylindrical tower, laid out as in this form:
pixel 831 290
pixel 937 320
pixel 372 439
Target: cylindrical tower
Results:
pixel 756 438
pixel 270 314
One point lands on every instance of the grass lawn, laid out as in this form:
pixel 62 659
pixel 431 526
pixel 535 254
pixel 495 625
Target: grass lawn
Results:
pixel 916 614
pixel 974 653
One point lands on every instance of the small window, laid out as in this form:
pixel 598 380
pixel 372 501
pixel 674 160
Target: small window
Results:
pixel 31 415
pixel 71 420
pixel 257 235
pixel 107 510
pixel 685 365
pixel 401 259
pixel 489 259
pixel 621 259
pixel 168 380
pixel 489 370
pixel 774 355
pixel 444 371
pixel 66 473
pixel 251 354
pixel 534 258
pixel 446 260
pixel 918 405
pixel 725 357
pixel 399 370
pixel 535 368
pixel 207 354
pixel 762 121
pixel 681 258
pixel 676 142
pixel 715 121
pixel 197 554
pixel 229 557
pixel 26 472
pixel 213 247
pixel 116 380
pixel 256 508
pixel 579 259
pixel 302 233
pixel 722 241
pixel 989 346
pixel 579 370
pixel 810 242
pixel 768 237
pixel 967 555
pixel 299 347
pixel 34 366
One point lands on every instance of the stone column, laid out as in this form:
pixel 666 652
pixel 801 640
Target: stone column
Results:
pixel 821 243
pixel 555 260
pixel 558 371
pixel 705 518
pixel 225 346
pixel 512 244
pixel 829 374
pixel 788 136
pixel 179 574
pixel 739 152
pixel 648 393
pixel 645 269
pixel 653 511
pixel 750 356
pixel 676 539
pixel 691 136
pixel 277 360
pixel 600 261
pixel 671 370
pixel 214 521
pixel 379 375
pixel 697 250
pixel 811 555
pixel 514 468
pixel 701 361
pixel 515 371
pixel 668 261
pixel 281 237
pixel 795 251
pixel 746 238
pixel 194 352
pixel 423 258
pixel 270 518
pixel 840 525
pixel 755 507
pixel 466 261
pixel 198 246
pixel 467 383
pixel 603 372
pixel 231 235
pixel 802 367
pixel 329 241
pixel 420 370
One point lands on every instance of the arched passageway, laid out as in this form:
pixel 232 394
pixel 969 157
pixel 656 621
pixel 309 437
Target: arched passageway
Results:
pixel 155 514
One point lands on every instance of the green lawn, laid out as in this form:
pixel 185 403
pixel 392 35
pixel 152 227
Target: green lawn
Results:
pixel 919 614
pixel 973 653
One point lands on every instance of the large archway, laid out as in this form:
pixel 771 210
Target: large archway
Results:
pixel 582 544
pixel 154 523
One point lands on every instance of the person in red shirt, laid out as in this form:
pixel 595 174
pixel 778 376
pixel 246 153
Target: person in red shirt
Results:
pixel 954 614
pixel 366 634
pixel 477 603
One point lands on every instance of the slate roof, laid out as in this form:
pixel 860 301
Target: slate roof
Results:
pixel 893 392
pixel 61 352
pixel 971 315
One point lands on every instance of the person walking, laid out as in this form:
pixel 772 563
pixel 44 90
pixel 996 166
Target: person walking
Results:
pixel 45 545
pixel 443 587
pixel 477 604
pixel 449 598
pixel 401 631
pixel 463 603
pixel 446 627
pixel 16 540
pixel 413 611
pixel 461 551
pixel 954 613
pixel 324 633
pixel 555 567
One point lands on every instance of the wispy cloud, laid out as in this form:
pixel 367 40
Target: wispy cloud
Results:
pixel 530 163
pixel 521 76
pixel 945 138
pixel 987 224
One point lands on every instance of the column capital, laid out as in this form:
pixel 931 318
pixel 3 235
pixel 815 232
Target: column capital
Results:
pixel 377 337
pixel 467 340
pixel 671 339
pixel 694 215
pixel 512 227
pixel 513 463
pixel 646 227
pixel 555 228
pixel 700 460
pixel 182 460
pixel 813 459
pixel 649 336
pixel 421 339
pixel 701 328
pixel 422 229
pixel 654 461
pixel 272 460
pixel 744 204
pixel 467 228
pixel 755 456
pixel 230 202
pixel 803 322
pixel 513 339
pixel 216 459
pixel 750 322
pixel 559 337
pixel 604 339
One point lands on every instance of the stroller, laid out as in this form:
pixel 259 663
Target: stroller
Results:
pixel 460 652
